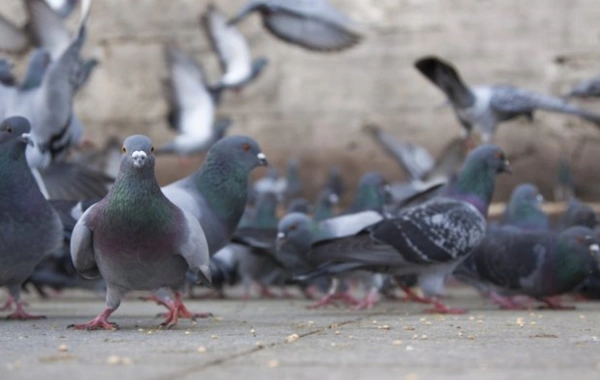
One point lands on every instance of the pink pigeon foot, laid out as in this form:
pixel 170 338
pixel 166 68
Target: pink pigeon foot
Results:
pixel 506 303
pixel 440 308
pixel 410 295
pixel 369 301
pixel 554 304
pixel 8 305
pixel 99 323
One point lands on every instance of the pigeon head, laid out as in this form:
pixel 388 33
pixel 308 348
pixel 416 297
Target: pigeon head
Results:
pixel 294 233
pixel 372 194
pixel 15 129
pixel 138 153
pixel 582 238
pixel 579 214
pixel 477 178
pixel 525 209
pixel 299 205
pixel 241 150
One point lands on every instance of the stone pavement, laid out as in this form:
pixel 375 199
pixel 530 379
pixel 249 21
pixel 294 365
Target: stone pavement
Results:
pixel 282 339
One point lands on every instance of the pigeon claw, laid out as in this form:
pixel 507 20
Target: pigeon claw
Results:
pixel 554 304
pixel 410 295
pixel 21 315
pixel 440 308
pixel 99 323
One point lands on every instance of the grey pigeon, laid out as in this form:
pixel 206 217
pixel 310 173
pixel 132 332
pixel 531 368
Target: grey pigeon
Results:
pixel 232 48
pixel 137 239
pixel 481 108
pixel 299 205
pixel 297 233
pixel 216 194
pixel 589 88
pixel 372 193
pixel 311 24
pixel 29 228
pixel 524 209
pixel 45 27
pixel 578 214
pixel 49 107
pixel 325 205
pixel 430 239
pixel 192 107
pixel 523 212
pixel 539 264
pixel 335 181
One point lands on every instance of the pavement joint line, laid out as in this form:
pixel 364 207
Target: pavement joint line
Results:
pixel 225 359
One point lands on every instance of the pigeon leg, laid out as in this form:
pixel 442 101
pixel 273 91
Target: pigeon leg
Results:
pixel 99 323
pixel 369 301
pixel 554 304
pixel 178 310
pixel 347 298
pixel 328 299
pixel 154 298
pixel 265 292
pixel 19 313
pixel 410 295
pixel 506 303
pixel 440 308
pixel 8 304
pixel 310 292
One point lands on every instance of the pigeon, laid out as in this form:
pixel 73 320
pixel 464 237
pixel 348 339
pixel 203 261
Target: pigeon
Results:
pixel 524 210
pixel 192 112
pixel 45 27
pixel 430 239
pixel 372 193
pixel 564 184
pixel 293 185
pixel 49 107
pixel 578 214
pixel 29 228
pixel 136 239
pixel 539 264
pixel 232 48
pixel 326 203
pixel 482 108
pixel 216 194
pixel 335 182
pixel 589 88
pixel 311 24
pixel 257 264
pixel 297 233
pixel 299 205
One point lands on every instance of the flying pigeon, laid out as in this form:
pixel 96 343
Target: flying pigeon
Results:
pixel 232 48
pixel 482 108
pixel 311 24
pixel 192 112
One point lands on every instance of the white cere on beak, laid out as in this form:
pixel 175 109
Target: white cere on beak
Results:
pixel 261 156
pixel 27 138
pixel 595 249
pixel 540 198
pixel 281 235
pixel 139 157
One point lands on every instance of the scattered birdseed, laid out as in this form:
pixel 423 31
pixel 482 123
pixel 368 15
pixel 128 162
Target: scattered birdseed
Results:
pixel 273 363
pixel 292 338
pixel 201 349
pixel 63 348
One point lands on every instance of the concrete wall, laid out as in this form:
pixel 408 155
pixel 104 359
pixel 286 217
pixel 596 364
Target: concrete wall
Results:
pixel 313 106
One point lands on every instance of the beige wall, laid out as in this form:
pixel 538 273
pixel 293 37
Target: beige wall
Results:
pixel 312 106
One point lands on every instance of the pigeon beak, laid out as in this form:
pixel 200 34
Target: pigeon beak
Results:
pixel 204 276
pixel 139 158
pixel 540 198
pixel 506 168
pixel 262 159
pixel 26 138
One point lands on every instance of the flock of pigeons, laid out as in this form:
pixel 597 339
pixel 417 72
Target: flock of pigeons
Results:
pixel 74 220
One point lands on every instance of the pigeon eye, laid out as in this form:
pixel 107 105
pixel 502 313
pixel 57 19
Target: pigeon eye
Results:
pixel 293 227
pixel 500 155
pixel 246 147
pixel 152 150
pixel 9 129
pixel 124 149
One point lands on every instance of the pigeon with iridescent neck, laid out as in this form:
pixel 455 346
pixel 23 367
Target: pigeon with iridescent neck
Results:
pixel 29 228
pixel 137 239
pixel 430 239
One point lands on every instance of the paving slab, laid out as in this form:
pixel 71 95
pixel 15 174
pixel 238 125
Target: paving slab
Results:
pixel 282 339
